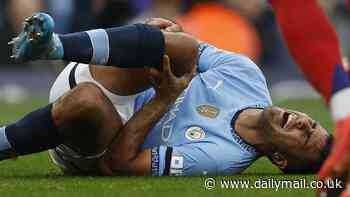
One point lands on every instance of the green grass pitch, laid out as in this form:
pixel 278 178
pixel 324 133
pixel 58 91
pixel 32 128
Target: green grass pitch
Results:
pixel 37 176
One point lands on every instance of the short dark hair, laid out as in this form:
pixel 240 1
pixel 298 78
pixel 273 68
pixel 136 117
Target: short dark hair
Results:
pixel 314 167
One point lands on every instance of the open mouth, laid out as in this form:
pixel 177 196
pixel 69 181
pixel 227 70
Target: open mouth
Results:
pixel 287 119
pixel 284 119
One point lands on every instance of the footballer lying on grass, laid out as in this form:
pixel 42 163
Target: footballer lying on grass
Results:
pixel 213 116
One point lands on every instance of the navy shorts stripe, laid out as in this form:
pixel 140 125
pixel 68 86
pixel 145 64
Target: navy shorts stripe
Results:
pixel 72 81
pixel 168 153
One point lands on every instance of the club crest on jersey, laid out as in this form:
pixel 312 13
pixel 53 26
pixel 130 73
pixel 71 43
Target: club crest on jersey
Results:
pixel 195 133
pixel 208 111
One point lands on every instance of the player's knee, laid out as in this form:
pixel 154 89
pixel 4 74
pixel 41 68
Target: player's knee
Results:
pixel 84 101
pixel 89 98
pixel 182 49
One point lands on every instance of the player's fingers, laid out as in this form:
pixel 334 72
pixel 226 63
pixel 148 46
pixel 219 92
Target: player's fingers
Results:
pixel 174 28
pixel 154 82
pixel 154 73
pixel 166 66
pixel 189 75
pixel 159 22
pixel 154 77
pixel 166 24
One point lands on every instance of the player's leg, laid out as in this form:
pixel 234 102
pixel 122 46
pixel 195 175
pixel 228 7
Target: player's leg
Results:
pixel 313 44
pixel 128 81
pixel 83 119
pixel 87 119
pixel 133 46
pixel 318 55
pixel 89 46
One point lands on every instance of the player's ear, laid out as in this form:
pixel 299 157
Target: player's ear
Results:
pixel 279 160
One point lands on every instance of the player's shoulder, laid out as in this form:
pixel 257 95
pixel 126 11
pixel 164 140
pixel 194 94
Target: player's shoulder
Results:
pixel 207 50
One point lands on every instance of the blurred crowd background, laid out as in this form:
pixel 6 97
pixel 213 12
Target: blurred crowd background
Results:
pixel 242 26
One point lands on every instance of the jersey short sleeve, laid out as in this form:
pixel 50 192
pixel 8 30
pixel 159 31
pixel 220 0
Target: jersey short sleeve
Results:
pixel 208 57
pixel 241 75
pixel 212 58
pixel 184 160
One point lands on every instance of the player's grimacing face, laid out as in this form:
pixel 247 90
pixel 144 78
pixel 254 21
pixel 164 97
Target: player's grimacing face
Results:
pixel 293 133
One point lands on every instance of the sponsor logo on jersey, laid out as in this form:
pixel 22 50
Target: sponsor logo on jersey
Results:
pixel 208 111
pixel 195 133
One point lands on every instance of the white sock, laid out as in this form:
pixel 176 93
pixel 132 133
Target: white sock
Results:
pixel 4 143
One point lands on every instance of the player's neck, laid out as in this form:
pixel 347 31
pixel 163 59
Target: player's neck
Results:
pixel 247 125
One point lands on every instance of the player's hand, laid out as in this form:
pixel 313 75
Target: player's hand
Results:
pixel 337 165
pixel 168 87
pixel 164 24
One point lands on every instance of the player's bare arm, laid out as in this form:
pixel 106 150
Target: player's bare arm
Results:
pixel 124 156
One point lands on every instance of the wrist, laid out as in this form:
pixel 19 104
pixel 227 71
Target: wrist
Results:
pixel 164 101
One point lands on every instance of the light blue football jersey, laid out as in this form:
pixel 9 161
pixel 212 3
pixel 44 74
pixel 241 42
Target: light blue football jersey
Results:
pixel 196 137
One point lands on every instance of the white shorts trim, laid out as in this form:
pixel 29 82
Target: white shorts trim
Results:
pixel 123 104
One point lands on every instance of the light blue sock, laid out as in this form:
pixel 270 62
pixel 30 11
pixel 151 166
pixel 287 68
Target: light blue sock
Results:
pixel 4 143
